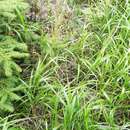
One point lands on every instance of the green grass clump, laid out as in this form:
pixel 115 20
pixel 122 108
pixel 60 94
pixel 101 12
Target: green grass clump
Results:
pixel 78 74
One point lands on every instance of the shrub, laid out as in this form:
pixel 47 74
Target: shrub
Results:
pixel 11 51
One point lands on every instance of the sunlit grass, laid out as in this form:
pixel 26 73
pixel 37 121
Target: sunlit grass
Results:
pixel 82 78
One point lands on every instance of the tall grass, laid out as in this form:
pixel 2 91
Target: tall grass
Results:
pixel 81 79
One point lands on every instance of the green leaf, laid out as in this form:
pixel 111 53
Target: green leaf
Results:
pixel 7 107
pixel 14 96
pixel 14 128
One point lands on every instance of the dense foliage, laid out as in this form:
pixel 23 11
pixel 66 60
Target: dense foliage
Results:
pixel 64 65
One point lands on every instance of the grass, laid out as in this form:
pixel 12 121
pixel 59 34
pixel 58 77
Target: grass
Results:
pixel 80 78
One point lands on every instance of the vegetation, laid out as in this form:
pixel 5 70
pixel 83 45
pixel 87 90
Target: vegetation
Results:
pixel 65 65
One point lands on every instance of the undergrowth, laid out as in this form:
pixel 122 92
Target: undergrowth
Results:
pixel 65 66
